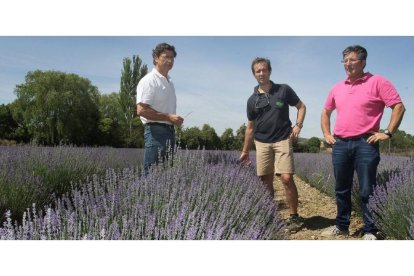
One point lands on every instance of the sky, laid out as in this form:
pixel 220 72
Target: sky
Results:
pixel 212 74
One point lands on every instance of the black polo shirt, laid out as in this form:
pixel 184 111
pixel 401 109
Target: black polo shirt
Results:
pixel 272 123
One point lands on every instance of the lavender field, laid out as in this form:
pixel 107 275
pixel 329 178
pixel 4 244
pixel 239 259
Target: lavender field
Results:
pixel 392 203
pixel 31 174
pixel 99 193
pixel 204 195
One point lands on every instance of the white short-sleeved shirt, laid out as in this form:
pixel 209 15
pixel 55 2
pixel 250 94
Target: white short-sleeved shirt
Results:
pixel 158 92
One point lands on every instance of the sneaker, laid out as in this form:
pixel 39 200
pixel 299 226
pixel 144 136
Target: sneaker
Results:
pixel 294 224
pixel 369 237
pixel 334 231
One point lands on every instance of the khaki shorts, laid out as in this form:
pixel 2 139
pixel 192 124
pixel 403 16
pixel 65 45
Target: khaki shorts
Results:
pixel 274 157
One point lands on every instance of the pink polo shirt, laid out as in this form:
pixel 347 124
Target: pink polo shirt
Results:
pixel 360 105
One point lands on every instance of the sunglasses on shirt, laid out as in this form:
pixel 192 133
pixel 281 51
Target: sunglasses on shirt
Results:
pixel 262 102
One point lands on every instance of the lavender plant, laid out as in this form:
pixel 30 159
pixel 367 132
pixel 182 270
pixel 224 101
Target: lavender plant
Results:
pixel 202 196
pixel 411 232
pixel 392 204
pixel 32 174
pixel 317 170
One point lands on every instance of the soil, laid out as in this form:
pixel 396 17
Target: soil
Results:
pixel 318 210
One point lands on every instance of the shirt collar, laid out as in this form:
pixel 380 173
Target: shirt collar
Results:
pixel 256 89
pixel 364 78
pixel 160 75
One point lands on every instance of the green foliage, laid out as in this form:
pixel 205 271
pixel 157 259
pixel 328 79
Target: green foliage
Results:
pixel 227 139
pixel 314 145
pixel 57 107
pixel 7 124
pixel 401 142
pixel 300 145
pixel 136 140
pixel 132 73
pixel 110 127
pixel 190 138
pixel 239 142
pixel 209 138
pixel 206 137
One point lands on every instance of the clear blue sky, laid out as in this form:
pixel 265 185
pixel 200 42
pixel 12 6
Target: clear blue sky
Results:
pixel 212 73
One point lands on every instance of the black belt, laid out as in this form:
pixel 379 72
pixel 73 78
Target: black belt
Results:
pixel 354 138
pixel 160 124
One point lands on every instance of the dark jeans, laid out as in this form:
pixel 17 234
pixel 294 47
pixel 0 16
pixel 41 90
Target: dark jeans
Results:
pixel 159 142
pixel 349 155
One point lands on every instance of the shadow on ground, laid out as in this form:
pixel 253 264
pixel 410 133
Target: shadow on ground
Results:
pixel 318 222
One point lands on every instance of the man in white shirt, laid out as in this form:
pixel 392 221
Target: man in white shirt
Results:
pixel 156 106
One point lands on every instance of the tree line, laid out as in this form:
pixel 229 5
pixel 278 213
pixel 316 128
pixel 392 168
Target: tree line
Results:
pixel 53 108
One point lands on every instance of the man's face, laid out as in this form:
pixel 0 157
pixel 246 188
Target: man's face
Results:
pixel 261 73
pixel 354 67
pixel 166 60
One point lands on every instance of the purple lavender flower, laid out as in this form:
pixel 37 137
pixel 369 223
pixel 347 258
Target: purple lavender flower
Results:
pixel 202 196
pixel 392 204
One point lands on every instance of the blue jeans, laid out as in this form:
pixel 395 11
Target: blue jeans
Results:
pixel 159 142
pixel 351 155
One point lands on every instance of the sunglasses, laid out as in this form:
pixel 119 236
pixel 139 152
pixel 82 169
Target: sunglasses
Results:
pixel 262 102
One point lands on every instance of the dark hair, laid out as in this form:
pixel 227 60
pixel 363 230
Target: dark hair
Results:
pixel 361 51
pixel 260 60
pixel 160 48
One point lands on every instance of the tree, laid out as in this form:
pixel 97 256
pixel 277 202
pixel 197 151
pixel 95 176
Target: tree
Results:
pixel 57 107
pixel 7 123
pixel 190 138
pixel 137 138
pixel 300 145
pixel 110 124
pixel 227 139
pixel 314 145
pixel 132 73
pixel 239 142
pixel 209 138
pixel 401 142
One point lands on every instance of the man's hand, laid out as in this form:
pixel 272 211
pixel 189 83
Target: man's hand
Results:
pixel 329 139
pixel 176 120
pixel 244 158
pixel 295 132
pixel 376 137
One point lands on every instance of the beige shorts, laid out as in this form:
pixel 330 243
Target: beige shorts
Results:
pixel 274 157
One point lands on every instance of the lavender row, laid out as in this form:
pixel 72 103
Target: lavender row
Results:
pixel 411 233
pixel 392 203
pixel 203 196
pixel 32 174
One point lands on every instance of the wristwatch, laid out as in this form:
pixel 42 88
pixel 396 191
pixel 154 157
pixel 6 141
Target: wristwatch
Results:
pixel 387 132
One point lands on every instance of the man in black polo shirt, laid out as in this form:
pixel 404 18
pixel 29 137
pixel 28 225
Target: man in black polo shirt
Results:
pixel 269 124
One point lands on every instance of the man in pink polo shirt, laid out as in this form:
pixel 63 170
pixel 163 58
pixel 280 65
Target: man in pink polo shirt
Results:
pixel 359 101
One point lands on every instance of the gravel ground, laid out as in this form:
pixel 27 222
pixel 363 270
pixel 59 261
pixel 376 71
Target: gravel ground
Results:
pixel 318 210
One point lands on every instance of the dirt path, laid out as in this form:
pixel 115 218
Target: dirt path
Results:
pixel 318 210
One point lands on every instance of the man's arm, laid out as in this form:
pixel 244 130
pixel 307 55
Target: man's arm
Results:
pixel 397 115
pixel 300 117
pixel 326 126
pixel 248 136
pixel 149 113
